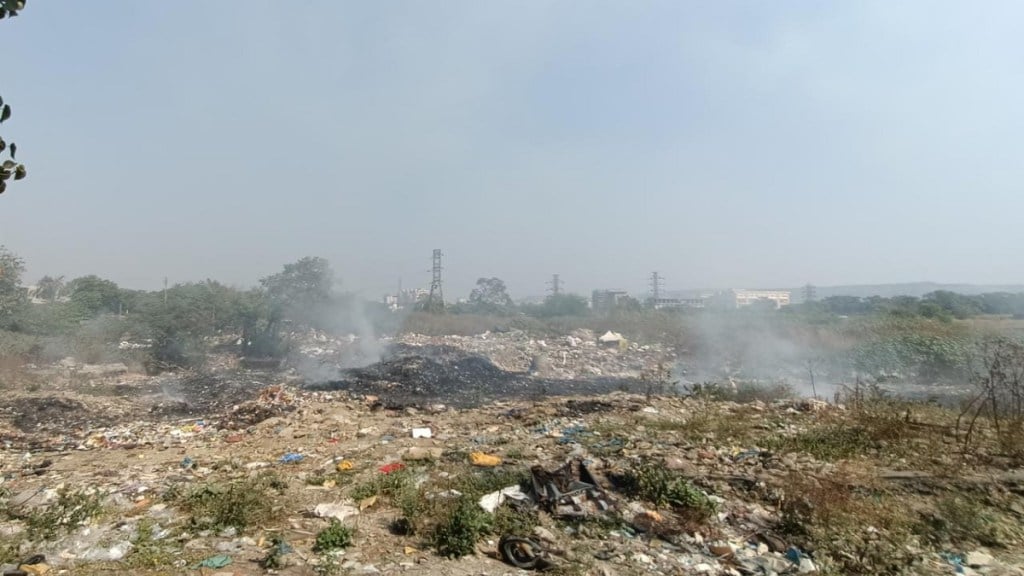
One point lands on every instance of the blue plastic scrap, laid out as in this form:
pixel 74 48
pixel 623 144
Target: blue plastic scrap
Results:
pixel 281 547
pixel 187 462
pixel 218 561
pixel 794 555
pixel 571 434
pixel 746 454
pixel 291 458
pixel 955 560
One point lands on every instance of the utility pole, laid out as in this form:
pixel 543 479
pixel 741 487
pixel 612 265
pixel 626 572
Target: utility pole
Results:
pixel 165 290
pixel 555 285
pixel 656 283
pixel 436 301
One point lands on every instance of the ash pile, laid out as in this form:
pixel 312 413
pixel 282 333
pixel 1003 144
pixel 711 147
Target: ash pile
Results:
pixel 411 375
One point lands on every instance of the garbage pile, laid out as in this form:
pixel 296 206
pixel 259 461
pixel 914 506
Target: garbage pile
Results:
pixel 161 411
pixel 418 375
pixel 579 355
pixel 615 484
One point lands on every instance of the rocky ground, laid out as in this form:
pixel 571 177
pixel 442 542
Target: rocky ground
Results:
pixel 241 472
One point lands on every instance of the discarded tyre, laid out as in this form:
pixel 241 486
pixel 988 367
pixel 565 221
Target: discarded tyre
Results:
pixel 520 552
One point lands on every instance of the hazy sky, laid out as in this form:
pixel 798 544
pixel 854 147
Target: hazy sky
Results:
pixel 750 144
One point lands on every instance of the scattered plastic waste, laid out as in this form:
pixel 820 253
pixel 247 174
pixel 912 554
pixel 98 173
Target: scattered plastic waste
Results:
pixel 491 502
pixel 571 434
pixel 367 502
pixel 422 433
pixel 344 466
pixel 391 467
pixel 483 459
pixel 218 561
pixel 275 556
pixel 954 560
pixel 335 510
pixel 291 458
pixel 187 463
pixel 739 456
pixel 35 565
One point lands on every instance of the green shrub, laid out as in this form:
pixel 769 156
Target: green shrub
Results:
pixel 334 537
pixel 663 487
pixel 457 533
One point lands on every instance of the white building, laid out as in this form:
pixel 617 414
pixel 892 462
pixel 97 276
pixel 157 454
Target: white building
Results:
pixel 740 298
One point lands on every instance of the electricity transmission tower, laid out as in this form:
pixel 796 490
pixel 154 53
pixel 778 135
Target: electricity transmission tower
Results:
pixel 656 284
pixel 436 301
pixel 555 285
pixel 810 293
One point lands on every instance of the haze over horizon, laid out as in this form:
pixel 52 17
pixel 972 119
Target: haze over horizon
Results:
pixel 723 144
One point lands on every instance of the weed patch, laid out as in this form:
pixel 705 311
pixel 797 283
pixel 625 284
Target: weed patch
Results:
pixel 831 442
pixel 147 551
pixel 853 531
pixel 72 508
pixel 667 488
pixel 391 485
pixel 334 537
pixel 456 534
pixel 239 504
pixel 962 520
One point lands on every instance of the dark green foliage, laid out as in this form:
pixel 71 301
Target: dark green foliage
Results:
pixel 13 298
pixel 510 520
pixel 457 533
pixel 9 168
pixel 489 297
pixel 557 305
pixel 477 483
pixel 652 482
pixel 334 537
pixel 92 295
pixel 301 292
pixel 10 8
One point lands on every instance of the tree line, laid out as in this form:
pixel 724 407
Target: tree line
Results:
pixel 940 304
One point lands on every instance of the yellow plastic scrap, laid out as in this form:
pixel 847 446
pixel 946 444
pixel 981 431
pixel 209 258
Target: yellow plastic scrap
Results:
pixel 35 569
pixel 483 459
pixel 344 466
pixel 367 502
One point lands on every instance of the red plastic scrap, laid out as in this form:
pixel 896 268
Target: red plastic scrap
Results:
pixel 392 467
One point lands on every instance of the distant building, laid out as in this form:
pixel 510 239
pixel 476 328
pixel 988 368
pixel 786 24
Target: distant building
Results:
pixel 405 299
pixel 670 303
pixel 605 300
pixel 739 298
